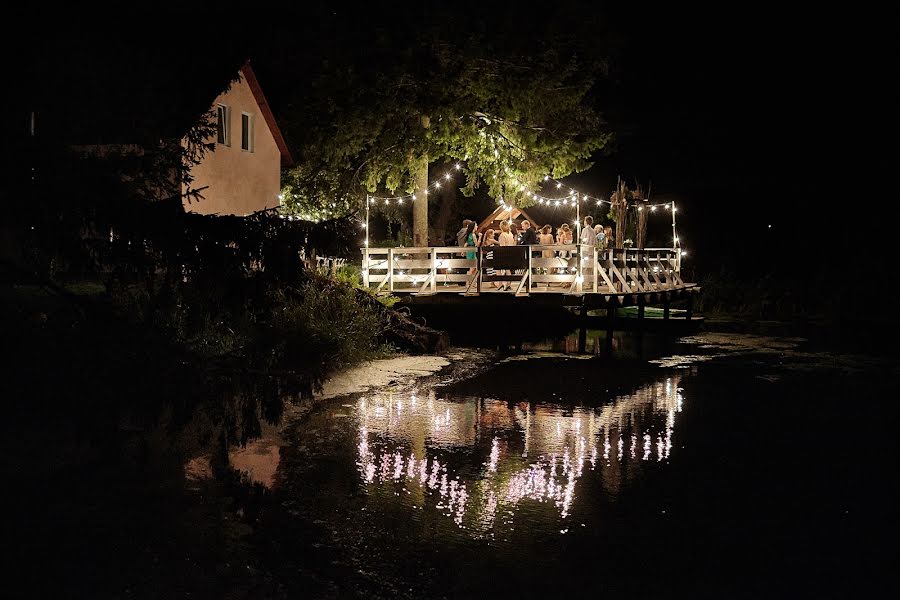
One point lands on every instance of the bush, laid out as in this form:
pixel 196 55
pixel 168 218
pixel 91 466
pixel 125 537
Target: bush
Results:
pixel 323 323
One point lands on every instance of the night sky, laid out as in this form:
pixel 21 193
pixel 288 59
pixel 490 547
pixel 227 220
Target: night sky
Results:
pixel 746 116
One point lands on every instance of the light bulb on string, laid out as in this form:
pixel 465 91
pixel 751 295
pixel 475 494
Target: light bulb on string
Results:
pixel 447 176
pixel 558 185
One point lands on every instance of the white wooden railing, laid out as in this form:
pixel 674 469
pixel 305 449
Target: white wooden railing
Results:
pixel 569 269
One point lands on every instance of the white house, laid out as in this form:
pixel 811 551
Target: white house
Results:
pixel 243 174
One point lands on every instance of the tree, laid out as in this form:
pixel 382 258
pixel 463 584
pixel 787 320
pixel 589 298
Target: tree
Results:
pixel 511 105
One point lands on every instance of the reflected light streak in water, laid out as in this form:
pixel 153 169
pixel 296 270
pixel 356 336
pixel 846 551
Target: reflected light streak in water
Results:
pixel 560 440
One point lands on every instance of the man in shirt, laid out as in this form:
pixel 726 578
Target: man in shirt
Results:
pixel 527 237
pixel 461 234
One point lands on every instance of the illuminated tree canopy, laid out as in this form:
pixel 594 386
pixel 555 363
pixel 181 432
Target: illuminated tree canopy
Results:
pixel 510 105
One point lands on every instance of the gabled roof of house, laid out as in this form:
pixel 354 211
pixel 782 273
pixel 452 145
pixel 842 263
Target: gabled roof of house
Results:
pixel 247 71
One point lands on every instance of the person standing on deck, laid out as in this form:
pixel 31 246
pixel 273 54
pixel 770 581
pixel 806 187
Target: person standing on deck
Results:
pixel 461 237
pixel 588 246
pixel 472 240
pixel 588 237
pixel 527 238
pixel 506 239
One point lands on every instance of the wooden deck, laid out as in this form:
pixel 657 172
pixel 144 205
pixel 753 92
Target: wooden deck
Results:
pixel 568 275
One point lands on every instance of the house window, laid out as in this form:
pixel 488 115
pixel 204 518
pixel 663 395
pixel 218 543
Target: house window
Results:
pixel 246 132
pixel 223 133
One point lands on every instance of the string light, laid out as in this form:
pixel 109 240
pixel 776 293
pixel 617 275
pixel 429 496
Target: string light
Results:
pixel 571 199
pixel 413 196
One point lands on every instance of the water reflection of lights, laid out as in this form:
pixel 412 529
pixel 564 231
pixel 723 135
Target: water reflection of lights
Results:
pixel 537 453
pixel 429 474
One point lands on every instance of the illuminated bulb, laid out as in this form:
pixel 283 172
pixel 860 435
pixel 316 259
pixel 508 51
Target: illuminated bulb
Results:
pixel 674 210
pixel 558 185
pixel 668 207
pixel 399 200
pixel 522 188
pixel 457 166
pixel 575 223
pixel 386 201
pixel 546 177
pixel 557 203
pixel 684 252
pixel 447 176
pixel 639 207
pixel 652 209
pixel 367 243
pixel 437 184
pixel 365 225
pixel 281 196
pixel 426 192
pixel 413 196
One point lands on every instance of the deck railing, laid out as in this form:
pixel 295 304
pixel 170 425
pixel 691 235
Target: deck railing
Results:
pixel 560 269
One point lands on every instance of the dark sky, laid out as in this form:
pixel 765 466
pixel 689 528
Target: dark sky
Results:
pixel 747 115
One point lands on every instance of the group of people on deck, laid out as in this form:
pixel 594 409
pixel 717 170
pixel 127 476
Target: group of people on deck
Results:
pixel 511 233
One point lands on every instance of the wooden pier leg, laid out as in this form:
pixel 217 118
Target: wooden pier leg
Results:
pixel 666 305
pixel 641 313
pixel 610 325
pixel 582 327
pixel 689 312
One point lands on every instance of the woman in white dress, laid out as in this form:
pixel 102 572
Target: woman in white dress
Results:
pixel 506 239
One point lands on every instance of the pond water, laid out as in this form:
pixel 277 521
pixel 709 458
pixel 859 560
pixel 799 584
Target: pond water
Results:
pixel 715 465
pixel 722 464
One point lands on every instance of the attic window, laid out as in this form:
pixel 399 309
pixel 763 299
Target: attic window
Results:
pixel 223 132
pixel 247 132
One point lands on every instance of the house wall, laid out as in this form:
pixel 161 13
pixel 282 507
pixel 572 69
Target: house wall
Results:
pixel 240 182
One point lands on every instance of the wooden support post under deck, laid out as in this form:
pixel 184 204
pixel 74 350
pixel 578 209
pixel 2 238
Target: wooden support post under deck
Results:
pixel 640 313
pixel 610 324
pixel 582 327
pixel 666 305
pixel 689 312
